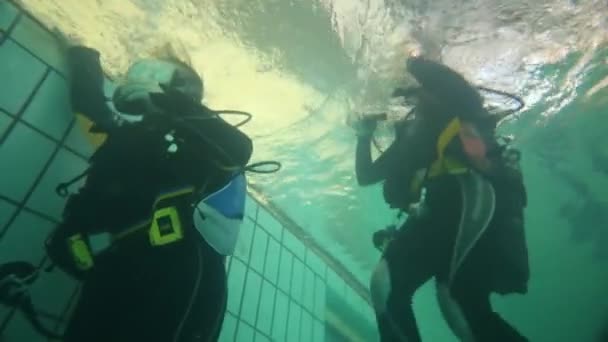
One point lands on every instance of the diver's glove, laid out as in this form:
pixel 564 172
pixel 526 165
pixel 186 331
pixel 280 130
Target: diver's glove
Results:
pixel 365 126
pixel 382 237
pixel 86 88
pixel 59 253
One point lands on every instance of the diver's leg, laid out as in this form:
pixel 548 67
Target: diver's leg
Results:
pixel 185 294
pixel 87 318
pixel 393 306
pixel 485 323
pixel 491 268
pixel 168 293
pixel 148 294
pixel 471 294
pixel 100 308
pixel 410 260
pixel 453 313
pixel 203 321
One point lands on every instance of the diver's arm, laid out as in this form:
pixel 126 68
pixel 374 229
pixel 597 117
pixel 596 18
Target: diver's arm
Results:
pixel 364 166
pixel 371 172
pixel 86 87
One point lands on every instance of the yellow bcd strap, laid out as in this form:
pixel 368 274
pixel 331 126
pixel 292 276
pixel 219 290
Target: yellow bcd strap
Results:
pixel 165 228
pixel 441 165
pixel 166 224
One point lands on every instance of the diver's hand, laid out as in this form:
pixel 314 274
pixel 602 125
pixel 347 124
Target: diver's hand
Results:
pixel 364 127
pixel 417 209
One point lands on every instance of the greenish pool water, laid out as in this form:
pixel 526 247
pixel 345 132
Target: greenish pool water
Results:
pixel 302 66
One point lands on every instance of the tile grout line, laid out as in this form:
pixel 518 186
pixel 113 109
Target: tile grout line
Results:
pixel 302 284
pixel 259 296
pixel 43 170
pixel 38 58
pixel 274 284
pixel 284 292
pixel 22 205
pixel 43 133
pixel 25 105
pixel 24 12
pixel 330 261
pixel 5 34
pixel 321 274
pixel 34 212
pixel 262 286
pixel 245 276
pixel 290 300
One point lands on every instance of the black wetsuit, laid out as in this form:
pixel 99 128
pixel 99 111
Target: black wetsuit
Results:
pixel 137 292
pixel 423 247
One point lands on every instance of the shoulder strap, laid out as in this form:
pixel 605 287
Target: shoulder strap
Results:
pixel 444 164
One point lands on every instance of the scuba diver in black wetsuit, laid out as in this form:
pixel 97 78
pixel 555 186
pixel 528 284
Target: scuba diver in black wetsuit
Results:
pixel 161 207
pixel 467 230
pixel 129 234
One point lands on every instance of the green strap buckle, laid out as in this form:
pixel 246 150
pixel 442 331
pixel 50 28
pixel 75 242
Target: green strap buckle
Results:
pixel 166 227
pixel 80 252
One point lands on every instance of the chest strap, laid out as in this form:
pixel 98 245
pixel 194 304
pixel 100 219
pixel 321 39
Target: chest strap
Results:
pixel 165 226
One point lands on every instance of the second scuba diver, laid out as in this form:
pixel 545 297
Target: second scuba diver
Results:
pixel 163 199
pixel 470 234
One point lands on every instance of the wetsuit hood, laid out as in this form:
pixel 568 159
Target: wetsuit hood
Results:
pixel 447 87
pixel 149 76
